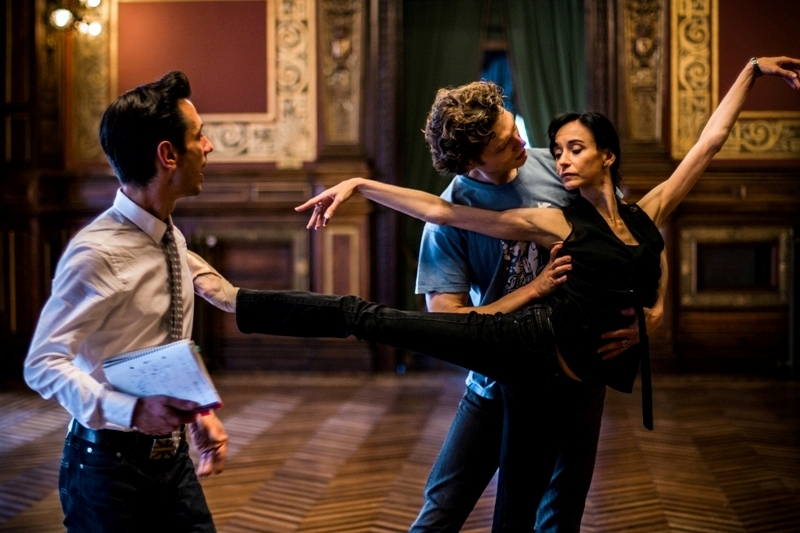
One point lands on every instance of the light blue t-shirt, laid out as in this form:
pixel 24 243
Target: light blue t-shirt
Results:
pixel 456 260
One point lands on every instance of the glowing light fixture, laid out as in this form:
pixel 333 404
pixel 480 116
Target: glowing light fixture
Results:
pixel 90 28
pixel 64 18
pixel 61 18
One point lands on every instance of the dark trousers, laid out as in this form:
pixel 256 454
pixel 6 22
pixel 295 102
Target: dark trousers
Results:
pixel 467 461
pixel 104 491
pixel 470 455
pixel 517 350
pixel 509 348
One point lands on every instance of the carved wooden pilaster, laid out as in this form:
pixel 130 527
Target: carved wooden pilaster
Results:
pixel 601 53
pixel 341 58
pixel 643 38
pixel 691 72
pixel 382 117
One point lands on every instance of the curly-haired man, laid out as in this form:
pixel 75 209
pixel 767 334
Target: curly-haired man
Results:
pixel 472 135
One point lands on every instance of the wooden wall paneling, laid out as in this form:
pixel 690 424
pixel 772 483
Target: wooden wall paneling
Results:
pixel 257 253
pixel 49 127
pixel 793 359
pixel 382 121
pixel 733 341
pixel 601 54
pixel 17 86
pixel 24 299
pixel 741 329
pixel 738 243
pixel 248 230
pixel 345 243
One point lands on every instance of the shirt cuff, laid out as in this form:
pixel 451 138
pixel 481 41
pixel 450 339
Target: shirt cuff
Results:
pixel 118 408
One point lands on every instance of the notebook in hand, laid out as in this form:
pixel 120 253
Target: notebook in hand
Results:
pixel 175 369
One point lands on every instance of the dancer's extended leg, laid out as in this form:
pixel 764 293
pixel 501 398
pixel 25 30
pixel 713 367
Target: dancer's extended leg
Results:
pixel 501 346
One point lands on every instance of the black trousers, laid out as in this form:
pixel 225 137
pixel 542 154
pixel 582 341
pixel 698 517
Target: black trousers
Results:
pixel 518 350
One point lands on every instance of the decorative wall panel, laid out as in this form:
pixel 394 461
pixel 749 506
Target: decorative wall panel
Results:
pixel 289 137
pixel 285 132
pixel 695 80
pixel 343 274
pixel 691 71
pixel 738 292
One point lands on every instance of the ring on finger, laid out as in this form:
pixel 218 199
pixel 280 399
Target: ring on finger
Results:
pixel 624 343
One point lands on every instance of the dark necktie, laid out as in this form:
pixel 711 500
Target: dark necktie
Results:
pixel 176 297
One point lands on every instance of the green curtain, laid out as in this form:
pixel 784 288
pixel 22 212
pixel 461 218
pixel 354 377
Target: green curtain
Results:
pixel 441 48
pixel 548 61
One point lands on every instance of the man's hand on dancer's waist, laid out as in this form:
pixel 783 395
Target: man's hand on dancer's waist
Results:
pixel 553 275
pixel 621 339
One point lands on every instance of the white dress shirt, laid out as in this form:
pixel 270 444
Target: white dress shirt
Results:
pixel 110 295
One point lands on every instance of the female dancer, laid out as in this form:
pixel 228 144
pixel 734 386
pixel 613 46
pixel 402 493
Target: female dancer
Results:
pixel 615 251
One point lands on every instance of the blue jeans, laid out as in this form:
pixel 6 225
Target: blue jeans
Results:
pixel 464 467
pixel 470 455
pixel 517 349
pixel 103 492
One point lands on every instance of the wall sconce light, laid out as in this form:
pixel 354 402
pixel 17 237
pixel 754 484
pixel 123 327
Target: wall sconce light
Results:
pixel 64 18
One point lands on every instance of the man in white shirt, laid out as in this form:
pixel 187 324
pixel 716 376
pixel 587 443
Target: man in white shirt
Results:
pixel 123 284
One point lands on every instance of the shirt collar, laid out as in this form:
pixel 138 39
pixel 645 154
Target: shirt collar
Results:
pixel 149 224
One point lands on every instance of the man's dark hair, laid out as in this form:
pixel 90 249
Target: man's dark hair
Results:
pixel 603 131
pixel 137 121
pixel 460 124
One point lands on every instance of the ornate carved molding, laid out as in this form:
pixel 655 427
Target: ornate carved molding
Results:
pixel 691 72
pixel 756 135
pixel 764 134
pixel 290 137
pixel 643 58
pixel 286 134
pixel 341 47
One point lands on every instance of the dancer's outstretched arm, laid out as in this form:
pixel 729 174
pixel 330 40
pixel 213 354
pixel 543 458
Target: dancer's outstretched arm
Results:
pixel 544 226
pixel 664 198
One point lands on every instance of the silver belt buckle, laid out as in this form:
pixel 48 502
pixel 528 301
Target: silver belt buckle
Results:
pixel 167 447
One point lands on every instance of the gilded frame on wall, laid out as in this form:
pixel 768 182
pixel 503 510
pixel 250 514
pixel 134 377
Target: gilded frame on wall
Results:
pixel 286 134
pixel 695 82
pixel 688 282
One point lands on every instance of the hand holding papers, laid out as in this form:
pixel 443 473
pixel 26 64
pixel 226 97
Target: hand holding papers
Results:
pixel 174 369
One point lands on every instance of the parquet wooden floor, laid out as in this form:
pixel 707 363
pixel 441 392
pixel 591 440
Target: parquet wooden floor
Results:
pixel 351 454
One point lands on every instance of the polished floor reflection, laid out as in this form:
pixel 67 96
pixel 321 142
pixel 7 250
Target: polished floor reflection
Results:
pixel 351 454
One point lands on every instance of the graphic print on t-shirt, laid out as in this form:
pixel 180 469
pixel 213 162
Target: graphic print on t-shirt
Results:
pixel 523 263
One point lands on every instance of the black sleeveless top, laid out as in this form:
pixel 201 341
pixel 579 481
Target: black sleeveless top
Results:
pixel 607 276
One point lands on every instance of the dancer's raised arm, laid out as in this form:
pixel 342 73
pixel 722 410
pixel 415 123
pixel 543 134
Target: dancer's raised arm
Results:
pixel 664 198
pixel 541 225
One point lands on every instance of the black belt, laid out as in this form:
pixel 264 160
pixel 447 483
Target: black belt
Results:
pixel 132 443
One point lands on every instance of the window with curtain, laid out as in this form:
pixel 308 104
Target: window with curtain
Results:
pixel 496 64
